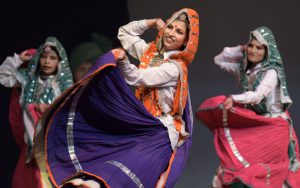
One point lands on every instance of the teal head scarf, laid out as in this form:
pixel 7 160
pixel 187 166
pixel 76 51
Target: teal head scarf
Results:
pixel 28 77
pixel 272 60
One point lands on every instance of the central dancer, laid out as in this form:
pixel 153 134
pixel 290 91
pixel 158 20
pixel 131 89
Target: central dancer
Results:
pixel 100 134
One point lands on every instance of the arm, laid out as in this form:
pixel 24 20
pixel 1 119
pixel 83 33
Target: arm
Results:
pixel 268 83
pixel 167 74
pixel 8 69
pixel 129 35
pixel 11 65
pixel 230 58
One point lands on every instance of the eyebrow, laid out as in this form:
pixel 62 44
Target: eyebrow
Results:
pixel 180 28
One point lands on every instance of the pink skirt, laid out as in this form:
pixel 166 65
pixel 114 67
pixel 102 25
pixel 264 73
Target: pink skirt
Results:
pixel 252 149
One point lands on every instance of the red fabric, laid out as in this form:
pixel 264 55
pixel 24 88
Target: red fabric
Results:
pixel 25 175
pixel 15 118
pixel 262 142
pixel 293 178
pixel 31 51
pixel 35 115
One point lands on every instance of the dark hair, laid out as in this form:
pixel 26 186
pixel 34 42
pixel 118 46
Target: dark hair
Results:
pixel 184 18
pixel 53 48
pixel 250 64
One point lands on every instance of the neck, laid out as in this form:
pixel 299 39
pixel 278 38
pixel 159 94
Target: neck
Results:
pixel 44 76
pixel 162 50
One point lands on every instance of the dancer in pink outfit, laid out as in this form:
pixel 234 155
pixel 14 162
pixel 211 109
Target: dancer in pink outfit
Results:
pixel 253 132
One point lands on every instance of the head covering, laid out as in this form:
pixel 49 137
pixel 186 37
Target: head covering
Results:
pixel 89 51
pixel 265 37
pixel 188 53
pixel 181 59
pixel 181 100
pixel 272 60
pixel 28 77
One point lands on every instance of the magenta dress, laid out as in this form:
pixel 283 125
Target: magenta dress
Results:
pixel 252 149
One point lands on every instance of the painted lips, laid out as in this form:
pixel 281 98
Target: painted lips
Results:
pixel 169 39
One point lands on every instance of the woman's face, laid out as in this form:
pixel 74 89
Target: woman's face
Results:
pixel 255 51
pixel 174 36
pixel 49 61
pixel 82 70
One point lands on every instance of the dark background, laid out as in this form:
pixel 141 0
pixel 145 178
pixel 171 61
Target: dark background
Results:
pixel 222 23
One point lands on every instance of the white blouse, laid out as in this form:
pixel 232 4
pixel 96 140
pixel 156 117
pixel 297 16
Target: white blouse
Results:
pixel 9 76
pixel 8 69
pixel 229 60
pixel 163 77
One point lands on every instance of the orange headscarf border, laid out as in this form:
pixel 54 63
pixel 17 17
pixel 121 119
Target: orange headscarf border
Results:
pixel 182 59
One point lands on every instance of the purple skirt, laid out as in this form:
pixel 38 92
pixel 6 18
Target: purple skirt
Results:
pixel 100 129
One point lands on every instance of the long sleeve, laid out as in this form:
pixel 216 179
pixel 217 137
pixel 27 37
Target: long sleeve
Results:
pixel 167 74
pixel 229 59
pixel 129 36
pixel 8 69
pixel 268 83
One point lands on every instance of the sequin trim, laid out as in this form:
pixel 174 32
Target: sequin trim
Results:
pixel 181 80
pixel 191 111
pixel 70 133
pixel 268 169
pixel 130 174
pixel 231 142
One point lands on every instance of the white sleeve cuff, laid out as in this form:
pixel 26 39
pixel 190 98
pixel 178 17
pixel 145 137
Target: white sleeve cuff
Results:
pixel 239 98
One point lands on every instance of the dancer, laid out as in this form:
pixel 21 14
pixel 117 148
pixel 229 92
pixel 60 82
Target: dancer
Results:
pixel 101 133
pixel 253 132
pixel 45 77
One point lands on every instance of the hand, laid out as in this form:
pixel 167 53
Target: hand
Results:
pixel 41 107
pixel 80 183
pixel 228 104
pixel 243 47
pixel 156 22
pixel 160 24
pixel 119 54
pixel 27 55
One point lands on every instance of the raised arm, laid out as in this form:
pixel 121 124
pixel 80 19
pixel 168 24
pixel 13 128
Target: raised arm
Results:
pixel 229 59
pixel 10 66
pixel 129 35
